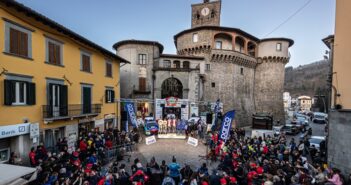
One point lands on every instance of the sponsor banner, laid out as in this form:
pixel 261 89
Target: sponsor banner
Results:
pixel 34 130
pixel 150 140
pixel 14 130
pixel 129 107
pixel 226 125
pixel 193 142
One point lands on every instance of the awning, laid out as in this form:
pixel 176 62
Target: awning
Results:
pixel 16 175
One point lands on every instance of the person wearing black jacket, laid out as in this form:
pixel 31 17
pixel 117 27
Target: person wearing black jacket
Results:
pixel 186 173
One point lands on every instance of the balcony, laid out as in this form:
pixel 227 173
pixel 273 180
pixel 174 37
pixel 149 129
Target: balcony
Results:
pixel 51 113
pixel 176 68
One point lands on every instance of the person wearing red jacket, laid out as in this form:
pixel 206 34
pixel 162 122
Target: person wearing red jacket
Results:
pixel 139 177
pixel 108 144
pixel 32 157
pixel 83 145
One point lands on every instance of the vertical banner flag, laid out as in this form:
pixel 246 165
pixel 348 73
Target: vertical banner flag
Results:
pixel 129 107
pixel 216 111
pixel 226 125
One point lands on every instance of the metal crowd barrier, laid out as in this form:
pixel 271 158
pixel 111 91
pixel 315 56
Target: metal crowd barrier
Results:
pixel 119 152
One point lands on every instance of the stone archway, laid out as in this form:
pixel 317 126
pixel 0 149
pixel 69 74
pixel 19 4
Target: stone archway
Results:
pixel 172 87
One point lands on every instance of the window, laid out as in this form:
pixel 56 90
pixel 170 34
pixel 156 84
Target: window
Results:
pixel 279 46
pixel 218 44
pixel 176 64
pixel 142 84
pixel 208 67
pixel 195 37
pixel 18 40
pixel 108 69
pixel 186 64
pixel 53 52
pixel 213 84
pixel 241 71
pixel 142 59
pixel 4 154
pixel 57 98
pixel 19 92
pixel 109 95
pixel 167 64
pixel 85 62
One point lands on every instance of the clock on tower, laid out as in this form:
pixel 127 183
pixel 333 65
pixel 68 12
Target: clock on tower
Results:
pixel 206 14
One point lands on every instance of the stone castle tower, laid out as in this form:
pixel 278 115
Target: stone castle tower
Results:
pixel 245 72
pixel 207 13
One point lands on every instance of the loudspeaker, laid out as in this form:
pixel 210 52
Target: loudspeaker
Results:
pixel 124 116
pixel 209 118
pixel 183 106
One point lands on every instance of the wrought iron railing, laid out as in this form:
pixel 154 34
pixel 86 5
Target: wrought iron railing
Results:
pixel 73 110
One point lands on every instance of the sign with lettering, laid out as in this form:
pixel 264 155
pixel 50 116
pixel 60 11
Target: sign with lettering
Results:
pixel 14 130
pixel 226 125
pixel 172 102
pixel 34 130
pixel 129 107
pixel 193 142
pixel 150 140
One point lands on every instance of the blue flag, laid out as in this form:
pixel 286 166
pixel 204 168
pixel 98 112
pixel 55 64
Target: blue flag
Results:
pixel 129 107
pixel 226 125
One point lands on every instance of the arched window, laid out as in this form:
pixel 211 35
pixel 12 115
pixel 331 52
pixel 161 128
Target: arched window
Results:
pixel 176 64
pixel 223 41
pixel 186 64
pixel 239 44
pixel 172 87
pixel 251 49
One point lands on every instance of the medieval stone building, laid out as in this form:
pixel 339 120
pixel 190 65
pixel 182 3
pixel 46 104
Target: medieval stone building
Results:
pixel 246 73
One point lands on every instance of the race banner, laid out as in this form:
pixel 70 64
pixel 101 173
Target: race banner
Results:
pixel 129 107
pixel 226 125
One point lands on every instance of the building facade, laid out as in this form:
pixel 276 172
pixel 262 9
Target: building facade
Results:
pixel 339 126
pixel 287 100
pixel 54 83
pixel 246 73
pixel 305 103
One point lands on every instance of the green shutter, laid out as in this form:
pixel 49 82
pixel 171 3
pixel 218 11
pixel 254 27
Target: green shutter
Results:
pixel 9 92
pixel 31 98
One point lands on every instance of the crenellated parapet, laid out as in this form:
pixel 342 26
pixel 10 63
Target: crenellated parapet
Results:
pixel 233 57
pixel 196 50
pixel 276 59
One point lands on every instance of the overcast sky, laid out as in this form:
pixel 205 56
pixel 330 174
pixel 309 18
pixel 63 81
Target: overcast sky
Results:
pixel 109 21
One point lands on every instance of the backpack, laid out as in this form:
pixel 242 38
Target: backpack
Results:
pixel 168 181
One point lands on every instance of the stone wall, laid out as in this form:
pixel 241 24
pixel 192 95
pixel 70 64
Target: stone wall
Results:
pixel 269 88
pixel 129 73
pixel 339 140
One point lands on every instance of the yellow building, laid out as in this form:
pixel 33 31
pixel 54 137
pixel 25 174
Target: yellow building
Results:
pixel 52 77
pixel 339 127
pixel 305 103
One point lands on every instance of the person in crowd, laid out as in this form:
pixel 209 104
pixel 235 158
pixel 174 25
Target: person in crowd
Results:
pixel 174 170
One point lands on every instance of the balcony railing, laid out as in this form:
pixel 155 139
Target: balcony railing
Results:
pixel 139 90
pixel 70 111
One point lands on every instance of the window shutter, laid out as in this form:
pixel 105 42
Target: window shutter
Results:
pixel 24 44
pixel 9 92
pixel 58 54
pixel 31 99
pixel 112 96
pixel 50 99
pixel 106 96
pixel 63 100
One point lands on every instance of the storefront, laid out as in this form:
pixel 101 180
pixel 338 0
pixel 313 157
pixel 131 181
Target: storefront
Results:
pixel 85 125
pixel 15 138
pixel 110 121
pixel 172 105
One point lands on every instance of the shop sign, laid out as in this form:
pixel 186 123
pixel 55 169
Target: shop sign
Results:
pixel 34 130
pixel 150 140
pixel 100 124
pixel 172 102
pixel 193 142
pixel 109 116
pixel 85 120
pixel 14 130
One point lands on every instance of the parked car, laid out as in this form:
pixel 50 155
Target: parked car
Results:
pixel 315 141
pixel 277 130
pixel 320 117
pixel 289 129
pixel 151 128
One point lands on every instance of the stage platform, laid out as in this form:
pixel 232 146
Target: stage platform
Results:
pixel 171 136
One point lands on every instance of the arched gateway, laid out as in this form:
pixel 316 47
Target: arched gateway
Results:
pixel 172 87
